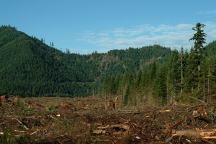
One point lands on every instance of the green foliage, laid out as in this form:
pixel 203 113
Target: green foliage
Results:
pixel 7 138
pixel 196 59
pixel 29 67
pixel 161 85
pixel 170 76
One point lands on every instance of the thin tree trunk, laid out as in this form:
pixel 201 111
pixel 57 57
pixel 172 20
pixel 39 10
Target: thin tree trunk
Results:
pixel 204 89
pixel 209 89
pixel 167 92
pixel 181 72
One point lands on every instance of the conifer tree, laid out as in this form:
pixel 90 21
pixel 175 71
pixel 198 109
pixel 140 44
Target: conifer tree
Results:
pixel 199 41
pixel 161 84
pixel 196 57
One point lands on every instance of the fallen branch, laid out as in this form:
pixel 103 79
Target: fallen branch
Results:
pixel 197 100
pixel 18 131
pixel 24 126
pixel 34 132
pixel 165 111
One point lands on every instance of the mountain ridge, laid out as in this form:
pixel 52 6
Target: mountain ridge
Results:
pixel 29 67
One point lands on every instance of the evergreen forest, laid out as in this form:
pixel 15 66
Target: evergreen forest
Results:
pixel 155 74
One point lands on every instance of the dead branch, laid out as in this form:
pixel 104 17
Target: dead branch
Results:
pixel 24 126
pixel 34 132
pixel 197 100
pixel 18 131
pixel 165 111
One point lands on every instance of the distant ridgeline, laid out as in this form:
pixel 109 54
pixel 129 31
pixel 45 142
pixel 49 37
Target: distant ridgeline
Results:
pixel 29 67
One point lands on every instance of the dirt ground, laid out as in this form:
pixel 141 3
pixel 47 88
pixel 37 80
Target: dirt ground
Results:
pixel 53 120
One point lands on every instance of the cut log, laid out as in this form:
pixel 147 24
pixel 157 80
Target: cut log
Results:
pixel 97 132
pixel 116 129
pixel 204 134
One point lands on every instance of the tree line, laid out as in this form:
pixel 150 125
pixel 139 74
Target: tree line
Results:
pixel 184 76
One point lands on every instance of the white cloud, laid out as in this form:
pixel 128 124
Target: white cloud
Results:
pixel 174 36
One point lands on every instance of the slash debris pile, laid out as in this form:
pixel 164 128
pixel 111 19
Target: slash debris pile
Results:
pixel 87 120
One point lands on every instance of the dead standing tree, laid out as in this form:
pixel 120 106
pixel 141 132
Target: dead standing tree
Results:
pixel 112 104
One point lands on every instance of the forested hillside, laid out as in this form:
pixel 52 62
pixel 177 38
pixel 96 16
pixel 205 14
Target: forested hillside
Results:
pixel 29 67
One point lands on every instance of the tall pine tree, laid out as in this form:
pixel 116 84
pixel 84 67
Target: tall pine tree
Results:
pixel 196 58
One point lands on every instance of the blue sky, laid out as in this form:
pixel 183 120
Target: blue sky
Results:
pixel 84 26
